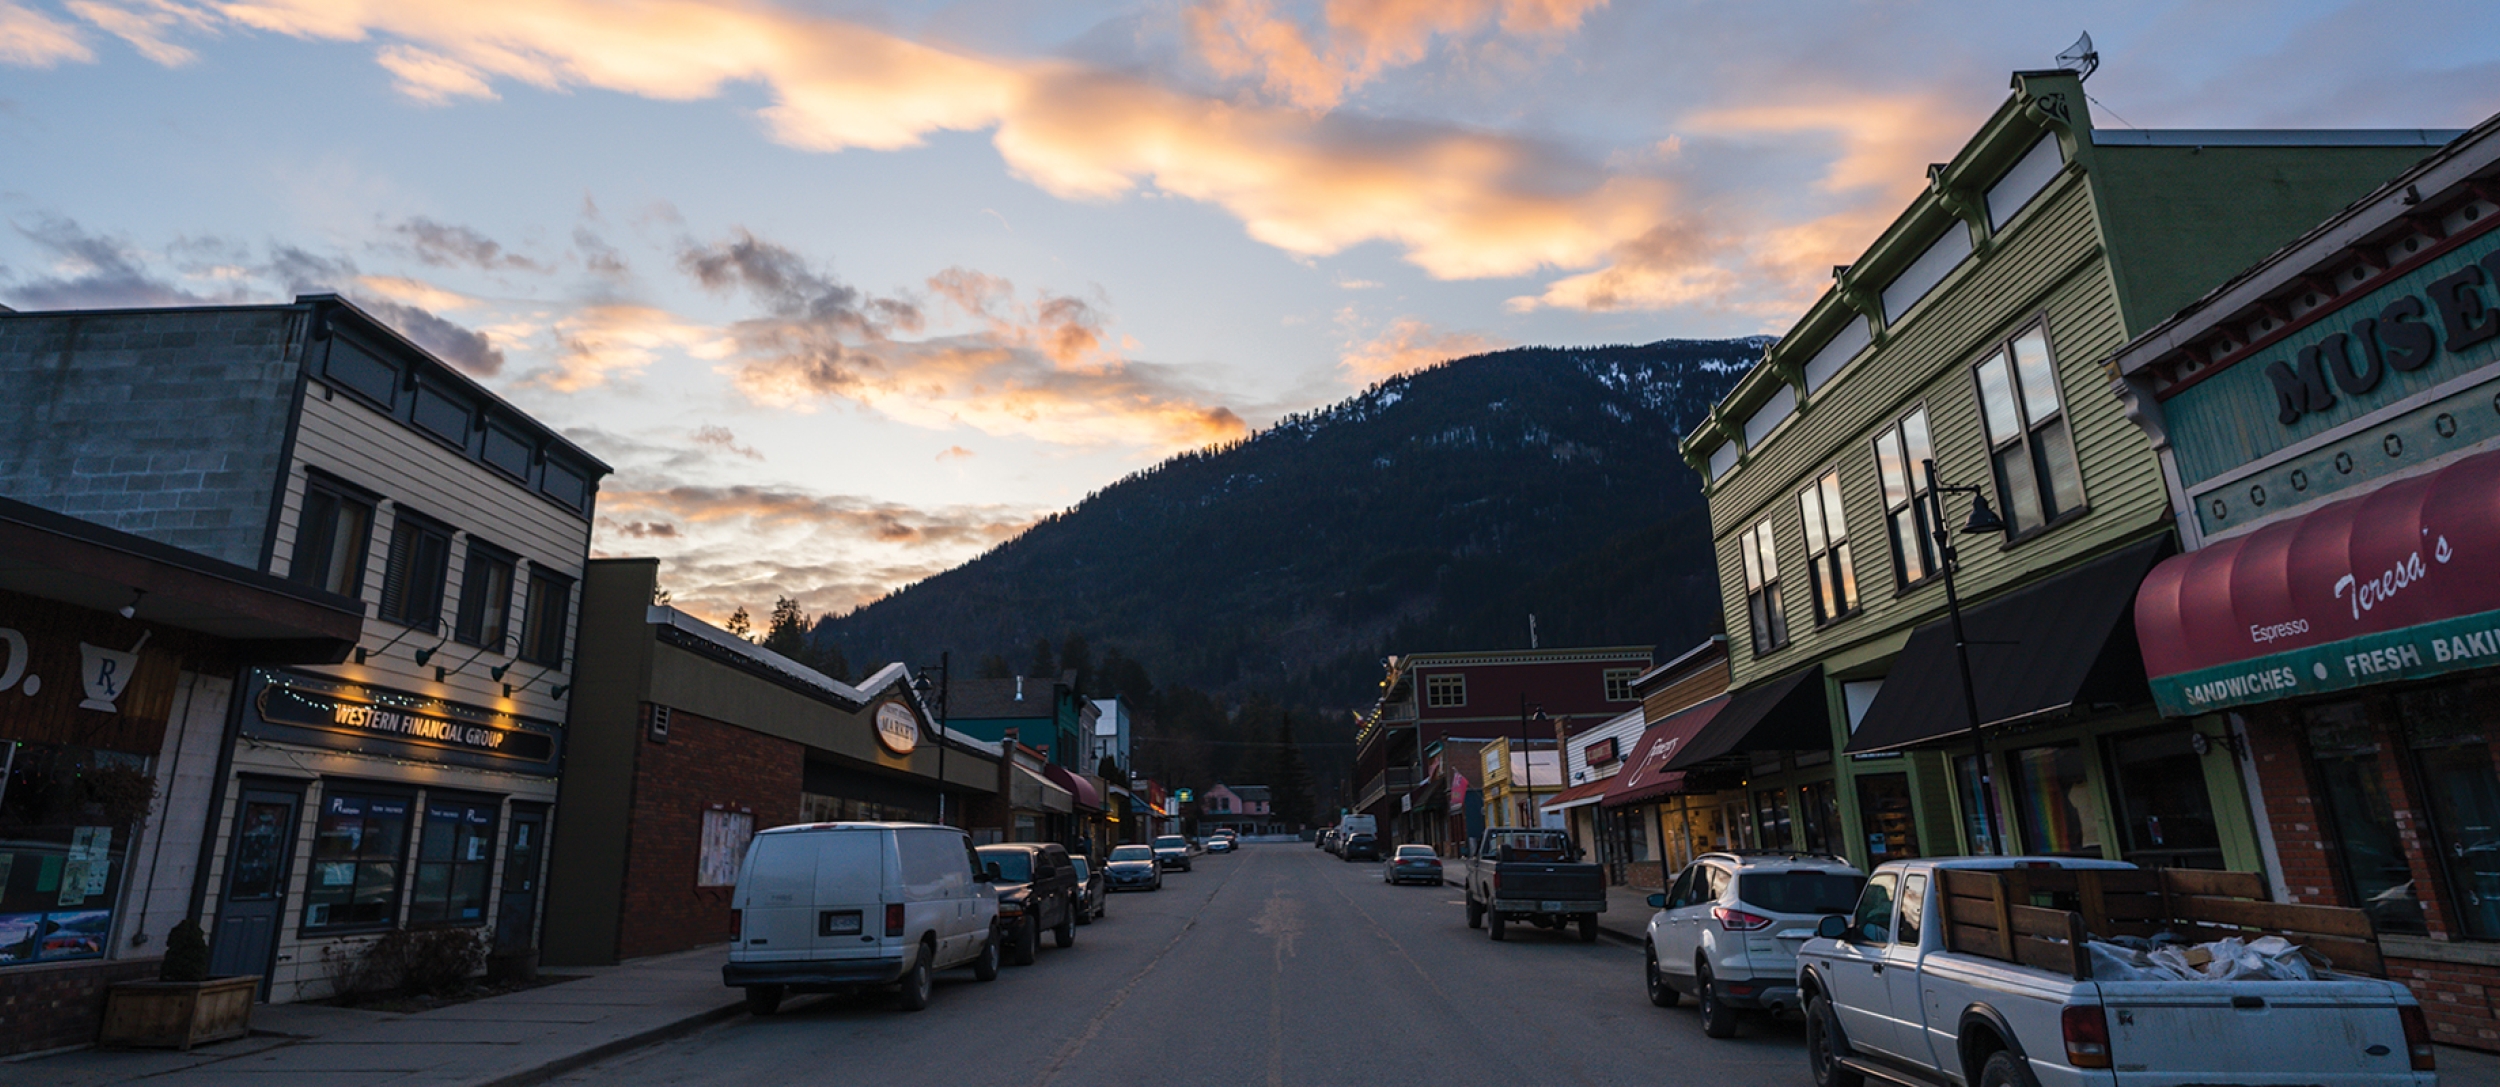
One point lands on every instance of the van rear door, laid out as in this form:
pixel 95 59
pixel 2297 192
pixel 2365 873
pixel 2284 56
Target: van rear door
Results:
pixel 853 869
pixel 776 897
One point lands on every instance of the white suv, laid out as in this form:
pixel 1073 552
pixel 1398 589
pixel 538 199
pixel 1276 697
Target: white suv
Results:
pixel 1728 929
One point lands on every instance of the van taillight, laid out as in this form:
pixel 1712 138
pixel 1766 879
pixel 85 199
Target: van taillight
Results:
pixel 894 919
pixel 738 922
pixel 2087 1036
pixel 2418 1037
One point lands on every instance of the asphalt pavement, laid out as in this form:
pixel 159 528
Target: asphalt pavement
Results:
pixel 1278 965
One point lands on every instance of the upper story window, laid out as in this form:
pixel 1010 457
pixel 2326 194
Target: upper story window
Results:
pixel 1827 549
pixel 1762 589
pixel 1619 683
pixel 1901 454
pixel 543 631
pixel 485 617
pixel 332 534
pixel 2029 444
pixel 412 580
pixel 1449 690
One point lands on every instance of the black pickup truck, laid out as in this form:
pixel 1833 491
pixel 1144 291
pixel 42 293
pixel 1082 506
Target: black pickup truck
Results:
pixel 1532 875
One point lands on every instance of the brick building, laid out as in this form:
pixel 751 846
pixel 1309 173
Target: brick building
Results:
pixel 687 740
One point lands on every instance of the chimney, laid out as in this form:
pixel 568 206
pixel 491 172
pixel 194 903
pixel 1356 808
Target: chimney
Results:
pixel 1019 688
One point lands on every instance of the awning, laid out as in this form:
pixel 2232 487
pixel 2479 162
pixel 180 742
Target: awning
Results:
pixel 1585 793
pixel 1033 792
pixel 1645 777
pixel 2034 652
pixel 1081 792
pixel 1784 714
pixel 2398 584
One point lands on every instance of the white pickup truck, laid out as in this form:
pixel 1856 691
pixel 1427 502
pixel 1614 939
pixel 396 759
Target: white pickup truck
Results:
pixel 1973 972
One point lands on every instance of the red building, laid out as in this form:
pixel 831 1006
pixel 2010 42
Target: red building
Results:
pixel 1431 699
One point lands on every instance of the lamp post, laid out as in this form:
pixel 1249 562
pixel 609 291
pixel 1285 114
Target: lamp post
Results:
pixel 1982 520
pixel 920 686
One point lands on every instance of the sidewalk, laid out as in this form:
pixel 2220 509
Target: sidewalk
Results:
pixel 503 1041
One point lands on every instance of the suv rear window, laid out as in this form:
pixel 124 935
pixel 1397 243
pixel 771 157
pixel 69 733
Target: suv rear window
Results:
pixel 1799 892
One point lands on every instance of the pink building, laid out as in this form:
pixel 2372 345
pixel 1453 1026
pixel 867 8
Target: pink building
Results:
pixel 1245 808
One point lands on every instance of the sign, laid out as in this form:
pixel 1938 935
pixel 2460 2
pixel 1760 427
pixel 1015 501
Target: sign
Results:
pixel 1184 796
pixel 377 720
pixel 897 729
pixel 1601 753
pixel 74 676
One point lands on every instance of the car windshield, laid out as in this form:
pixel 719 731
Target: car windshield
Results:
pixel 1077 864
pixel 1014 865
pixel 1416 851
pixel 1171 841
pixel 1799 892
pixel 1132 853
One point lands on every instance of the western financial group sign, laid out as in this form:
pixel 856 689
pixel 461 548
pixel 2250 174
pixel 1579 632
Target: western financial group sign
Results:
pixel 320 712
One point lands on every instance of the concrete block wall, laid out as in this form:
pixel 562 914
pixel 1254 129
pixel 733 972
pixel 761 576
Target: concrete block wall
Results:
pixel 167 424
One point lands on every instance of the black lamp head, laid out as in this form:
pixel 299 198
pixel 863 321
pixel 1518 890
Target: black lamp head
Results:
pixel 1983 520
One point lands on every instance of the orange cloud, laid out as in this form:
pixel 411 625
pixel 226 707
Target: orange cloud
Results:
pixel 599 343
pixel 145 26
pixel 1410 344
pixel 1364 38
pixel 32 39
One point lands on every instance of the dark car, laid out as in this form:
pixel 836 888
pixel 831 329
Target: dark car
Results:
pixel 1093 885
pixel 1360 847
pixel 1173 851
pixel 1415 864
pixel 1037 890
pixel 1133 866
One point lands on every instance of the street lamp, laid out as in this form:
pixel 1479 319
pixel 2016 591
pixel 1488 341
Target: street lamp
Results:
pixel 1983 520
pixel 920 686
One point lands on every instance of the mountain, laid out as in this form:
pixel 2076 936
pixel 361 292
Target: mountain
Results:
pixel 1435 511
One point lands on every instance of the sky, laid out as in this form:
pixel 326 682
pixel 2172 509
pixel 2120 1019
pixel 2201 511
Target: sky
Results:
pixel 849 292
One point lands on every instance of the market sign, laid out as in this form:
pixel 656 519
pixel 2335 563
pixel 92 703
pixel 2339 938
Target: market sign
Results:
pixel 2398 584
pixel 378 720
pixel 897 729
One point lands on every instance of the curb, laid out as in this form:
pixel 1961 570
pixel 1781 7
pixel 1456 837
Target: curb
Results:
pixel 576 1061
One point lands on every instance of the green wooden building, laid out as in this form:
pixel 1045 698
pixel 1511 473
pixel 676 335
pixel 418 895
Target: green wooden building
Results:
pixel 1974 332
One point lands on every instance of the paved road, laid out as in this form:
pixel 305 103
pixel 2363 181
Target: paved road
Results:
pixel 1276 965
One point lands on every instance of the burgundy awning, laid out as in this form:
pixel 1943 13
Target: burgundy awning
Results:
pixel 1087 797
pixel 1645 777
pixel 2358 591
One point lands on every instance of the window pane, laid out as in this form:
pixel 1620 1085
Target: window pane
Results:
pixel 1778 614
pixel 2375 869
pixel 1753 561
pixel 1996 401
pixel 1833 524
pixel 1915 450
pixel 1848 577
pixel 2165 816
pixel 2031 360
pixel 1889 465
pixel 1826 601
pixel 2056 451
pixel 343 570
pixel 2452 751
pixel 2019 489
pixel 1770 557
pixel 1809 503
pixel 2059 813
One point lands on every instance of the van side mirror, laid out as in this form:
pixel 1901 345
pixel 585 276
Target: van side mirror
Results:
pixel 1658 902
pixel 1833 927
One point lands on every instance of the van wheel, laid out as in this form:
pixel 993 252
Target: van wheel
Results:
pixel 1661 992
pixel 763 999
pixel 1588 928
pixel 1495 922
pixel 1028 943
pixel 1475 914
pixel 1823 1046
pixel 2004 1069
pixel 919 982
pixel 1718 1020
pixel 985 967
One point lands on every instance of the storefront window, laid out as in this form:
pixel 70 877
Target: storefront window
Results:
pixel 1891 825
pixel 1771 815
pixel 453 854
pixel 2056 813
pixel 66 815
pixel 357 848
pixel 2376 873
pixel 1971 786
pixel 2452 753
pixel 1818 812
pixel 2165 814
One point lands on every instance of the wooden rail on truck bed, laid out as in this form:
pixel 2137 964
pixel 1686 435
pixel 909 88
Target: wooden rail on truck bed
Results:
pixel 2041 916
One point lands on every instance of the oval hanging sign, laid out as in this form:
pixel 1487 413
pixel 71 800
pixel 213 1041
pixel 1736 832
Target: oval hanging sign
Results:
pixel 897 729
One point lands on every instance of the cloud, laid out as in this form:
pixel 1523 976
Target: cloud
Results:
pixel 446 246
pixel 955 452
pixel 32 39
pixel 1408 344
pixel 467 349
pixel 643 530
pixel 1362 39
pixel 144 26
pixel 413 292
pixel 719 437
pixel 432 78
pixel 94 271
pixel 606 341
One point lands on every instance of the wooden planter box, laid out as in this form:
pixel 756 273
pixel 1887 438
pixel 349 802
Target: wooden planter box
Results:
pixel 178 1014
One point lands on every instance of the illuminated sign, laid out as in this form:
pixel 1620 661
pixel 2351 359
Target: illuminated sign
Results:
pixel 897 729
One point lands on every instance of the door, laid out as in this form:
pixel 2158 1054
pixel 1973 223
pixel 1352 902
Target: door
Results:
pixel 1907 1018
pixel 1680 933
pixel 259 858
pixel 1854 974
pixel 516 913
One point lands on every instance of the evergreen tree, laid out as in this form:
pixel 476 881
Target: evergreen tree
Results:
pixel 1044 665
pixel 1075 656
pixel 740 626
pixel 1290 789
pixel 1109 770
pixel 993 666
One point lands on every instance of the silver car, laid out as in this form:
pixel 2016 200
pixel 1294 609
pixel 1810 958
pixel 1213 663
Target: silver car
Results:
pixel 1728 929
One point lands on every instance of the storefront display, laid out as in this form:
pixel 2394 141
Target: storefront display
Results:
pixel 1884 809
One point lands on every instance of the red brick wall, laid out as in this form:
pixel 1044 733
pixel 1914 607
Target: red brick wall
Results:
pixel 704 763
pixel 2456 998
pixel 48 1007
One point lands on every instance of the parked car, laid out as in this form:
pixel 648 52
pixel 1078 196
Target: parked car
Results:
pixel 1093 887
pixel 1173 851
pixel 830 907
pixel 1415 864
pixel 1533 875
pixel 1887 998
pixel 1036 890
pixel 1327 839
pixel 1360 847
pixel 1220 843
pixel 1728 928
pixel 1134 866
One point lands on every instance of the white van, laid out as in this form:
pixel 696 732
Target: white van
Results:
pixel 828 907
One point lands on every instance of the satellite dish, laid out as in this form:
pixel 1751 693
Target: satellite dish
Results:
pixel 2080 58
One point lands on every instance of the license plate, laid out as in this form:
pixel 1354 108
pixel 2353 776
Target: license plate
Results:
pixel 1549 906
pixel 838 923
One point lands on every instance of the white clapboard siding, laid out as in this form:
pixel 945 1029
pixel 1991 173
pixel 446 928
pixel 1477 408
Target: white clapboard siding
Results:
pixel 342 437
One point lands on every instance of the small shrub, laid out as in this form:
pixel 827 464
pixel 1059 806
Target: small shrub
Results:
pixel 441 960
pixel 186 953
